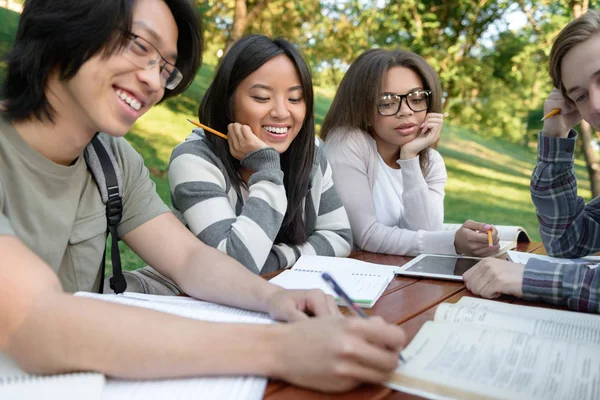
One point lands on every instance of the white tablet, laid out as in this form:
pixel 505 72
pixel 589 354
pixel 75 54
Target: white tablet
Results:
pixel 438 266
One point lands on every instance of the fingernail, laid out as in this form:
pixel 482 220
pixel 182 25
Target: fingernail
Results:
pixel 487 226
pixel 422 125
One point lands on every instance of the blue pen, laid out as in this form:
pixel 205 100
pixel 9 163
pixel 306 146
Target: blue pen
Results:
pixel 347 300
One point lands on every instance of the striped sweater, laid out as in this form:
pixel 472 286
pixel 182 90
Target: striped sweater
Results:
pixel 204 199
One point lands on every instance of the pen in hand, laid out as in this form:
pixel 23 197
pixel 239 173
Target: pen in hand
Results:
pixel 348 301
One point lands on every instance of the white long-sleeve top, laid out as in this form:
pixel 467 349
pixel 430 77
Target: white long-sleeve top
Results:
pixel 416 196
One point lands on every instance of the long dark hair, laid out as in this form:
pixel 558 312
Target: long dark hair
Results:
pixel 62 35
pixel 216 110
pixel 354 105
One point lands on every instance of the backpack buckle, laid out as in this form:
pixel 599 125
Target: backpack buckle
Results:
pixel 114 209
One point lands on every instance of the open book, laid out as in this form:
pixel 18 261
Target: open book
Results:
pixel 509 236
pixel 364 282
pixel 482 349
pixel 16 384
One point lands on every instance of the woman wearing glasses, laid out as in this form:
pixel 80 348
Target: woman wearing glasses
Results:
pixel 265 195
pixel 379 133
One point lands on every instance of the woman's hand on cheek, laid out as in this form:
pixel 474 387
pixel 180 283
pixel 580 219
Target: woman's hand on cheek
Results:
pixel 429 133
pixel 242 140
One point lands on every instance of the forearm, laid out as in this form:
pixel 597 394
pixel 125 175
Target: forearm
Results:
pixel 423 197
pixel 206 272
pixel 574 285
pixel 567 225
pixel 62 333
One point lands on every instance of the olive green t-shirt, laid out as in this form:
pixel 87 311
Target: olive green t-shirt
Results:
pixel 57 210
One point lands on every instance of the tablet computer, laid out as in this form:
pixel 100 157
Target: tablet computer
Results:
pixel 438 266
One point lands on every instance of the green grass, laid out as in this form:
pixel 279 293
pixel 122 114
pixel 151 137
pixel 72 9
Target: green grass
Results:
pixel 488 179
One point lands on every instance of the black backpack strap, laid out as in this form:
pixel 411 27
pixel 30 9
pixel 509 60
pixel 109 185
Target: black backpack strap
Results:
pixel 114 209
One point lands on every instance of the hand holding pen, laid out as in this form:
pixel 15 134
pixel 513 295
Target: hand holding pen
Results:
pixel 356 310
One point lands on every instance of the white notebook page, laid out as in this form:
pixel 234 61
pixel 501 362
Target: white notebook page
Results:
pixel 209 388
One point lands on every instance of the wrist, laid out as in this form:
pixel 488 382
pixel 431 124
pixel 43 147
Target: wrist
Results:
pixel 555 133
pixel 457 248
pixel 276 345
pixel 514 286
pixel 267 295
pixel 407 154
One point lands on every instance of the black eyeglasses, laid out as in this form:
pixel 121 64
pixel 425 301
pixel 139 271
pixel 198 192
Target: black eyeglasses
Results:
pixel 389 104
pixel 144 55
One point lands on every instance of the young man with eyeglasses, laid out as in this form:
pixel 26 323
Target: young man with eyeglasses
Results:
pixel 79 67
pixel 380 132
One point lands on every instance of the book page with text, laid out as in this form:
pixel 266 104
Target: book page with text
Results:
pixel 555 324
pixel 472 362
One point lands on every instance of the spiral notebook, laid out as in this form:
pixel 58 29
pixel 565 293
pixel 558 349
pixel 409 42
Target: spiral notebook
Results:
pixel 16 384
pixel 364 282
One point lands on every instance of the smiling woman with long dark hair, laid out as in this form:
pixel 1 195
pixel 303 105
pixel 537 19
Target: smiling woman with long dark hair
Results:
pixel 265 195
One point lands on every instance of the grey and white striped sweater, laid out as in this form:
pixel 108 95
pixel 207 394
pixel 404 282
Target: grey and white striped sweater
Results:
pixel 204 199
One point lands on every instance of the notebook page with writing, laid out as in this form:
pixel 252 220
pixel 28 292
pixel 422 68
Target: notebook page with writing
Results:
pixel 217 388
pixel 363 289
pixel 535 321
pixel 19 385
pixel 472 362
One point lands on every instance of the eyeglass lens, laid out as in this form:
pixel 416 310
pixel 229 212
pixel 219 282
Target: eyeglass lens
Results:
pixel 146 56
pixel 390 104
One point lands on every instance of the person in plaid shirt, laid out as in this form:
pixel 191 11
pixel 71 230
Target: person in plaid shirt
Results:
pixel 569 227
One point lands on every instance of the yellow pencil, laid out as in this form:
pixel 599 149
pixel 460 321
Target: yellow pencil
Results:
pixel 206 128
pixel 490 241
pixel 551 114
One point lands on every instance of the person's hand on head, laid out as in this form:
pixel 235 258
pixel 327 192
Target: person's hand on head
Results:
pixel 429 133
pixel 337 354
pixel 471 239
pixel 492 277
pixel 242 141
pixel 295 305
pixel 560 124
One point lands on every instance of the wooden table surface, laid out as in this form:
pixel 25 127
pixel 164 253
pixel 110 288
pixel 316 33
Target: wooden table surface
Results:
pixel 408 302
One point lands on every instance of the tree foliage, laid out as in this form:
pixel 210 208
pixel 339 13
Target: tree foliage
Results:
pixel 495 79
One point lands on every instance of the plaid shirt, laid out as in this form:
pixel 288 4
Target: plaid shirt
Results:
pixel 568 227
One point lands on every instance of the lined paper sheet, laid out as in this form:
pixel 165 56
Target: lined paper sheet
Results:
pixel 206 388
pixel 225 388
pixel 16 384
pixel 184 307
pixel 347 265
pixel 364 290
